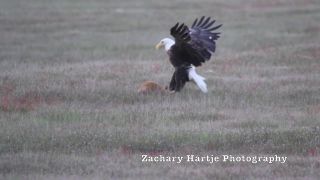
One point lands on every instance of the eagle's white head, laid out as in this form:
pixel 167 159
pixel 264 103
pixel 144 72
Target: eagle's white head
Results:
pixel 166 43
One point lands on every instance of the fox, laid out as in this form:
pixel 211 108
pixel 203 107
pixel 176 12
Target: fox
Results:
pixel 150 87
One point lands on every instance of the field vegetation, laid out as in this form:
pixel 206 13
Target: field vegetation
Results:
pixel 70 69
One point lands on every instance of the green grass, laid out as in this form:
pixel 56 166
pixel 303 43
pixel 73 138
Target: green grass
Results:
pixel 70 70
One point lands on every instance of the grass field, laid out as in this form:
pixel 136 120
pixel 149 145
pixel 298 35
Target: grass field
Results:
pixel 69 72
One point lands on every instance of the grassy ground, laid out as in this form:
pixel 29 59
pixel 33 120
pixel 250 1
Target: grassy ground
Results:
pixel 69 72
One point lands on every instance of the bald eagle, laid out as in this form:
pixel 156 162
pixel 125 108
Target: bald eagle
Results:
pixel 190 48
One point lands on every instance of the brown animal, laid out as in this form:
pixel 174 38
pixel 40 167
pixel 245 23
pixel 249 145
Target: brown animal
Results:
pixel 150 87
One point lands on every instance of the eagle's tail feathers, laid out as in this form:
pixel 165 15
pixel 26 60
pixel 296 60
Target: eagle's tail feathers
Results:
pixel 199 80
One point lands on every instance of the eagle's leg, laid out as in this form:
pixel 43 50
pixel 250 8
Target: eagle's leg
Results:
pixel 172 85
pixel 181 77
pixel 179 85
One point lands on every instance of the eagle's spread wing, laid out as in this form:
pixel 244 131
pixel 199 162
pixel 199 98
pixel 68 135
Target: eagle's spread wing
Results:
pixel 202 37
pixel 195 45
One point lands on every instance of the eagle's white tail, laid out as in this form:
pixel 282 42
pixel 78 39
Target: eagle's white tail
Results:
pixel 199 80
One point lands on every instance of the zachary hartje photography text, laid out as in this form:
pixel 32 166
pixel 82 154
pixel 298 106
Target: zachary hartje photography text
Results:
pixel 214 159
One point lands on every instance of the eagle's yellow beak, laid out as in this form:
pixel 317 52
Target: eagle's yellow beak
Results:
pixel 159 45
